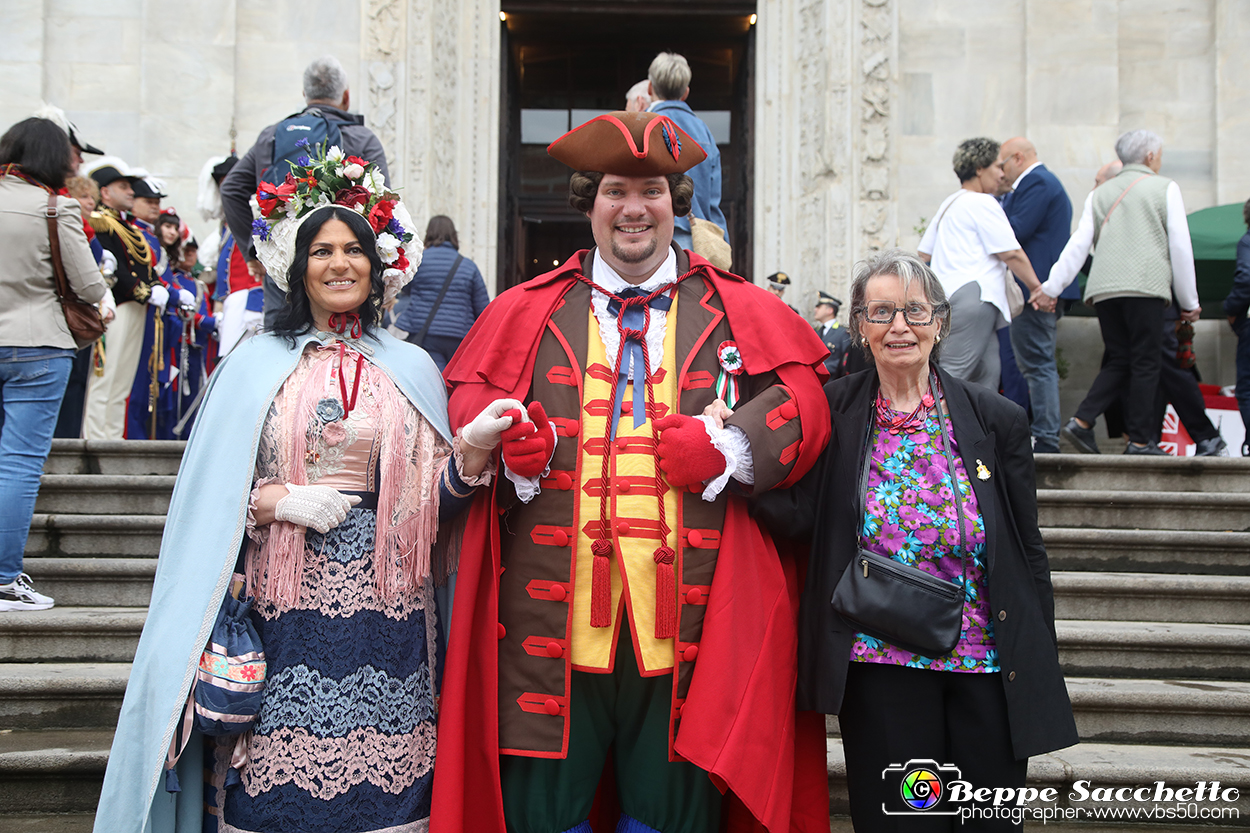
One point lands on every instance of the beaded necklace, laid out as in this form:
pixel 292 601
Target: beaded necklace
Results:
pixel 897 422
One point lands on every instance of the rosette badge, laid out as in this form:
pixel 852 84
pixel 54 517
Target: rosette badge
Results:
pixel 331 178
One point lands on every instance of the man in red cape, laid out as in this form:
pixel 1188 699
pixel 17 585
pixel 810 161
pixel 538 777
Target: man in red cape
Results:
pixel 622 628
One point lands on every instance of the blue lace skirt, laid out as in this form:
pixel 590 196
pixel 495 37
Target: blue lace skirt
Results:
pixel 346 735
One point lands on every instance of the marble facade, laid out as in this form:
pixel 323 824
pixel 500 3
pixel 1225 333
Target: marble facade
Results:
pixel 859 104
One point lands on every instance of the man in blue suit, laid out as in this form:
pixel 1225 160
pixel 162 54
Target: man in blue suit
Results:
pixel 1041 216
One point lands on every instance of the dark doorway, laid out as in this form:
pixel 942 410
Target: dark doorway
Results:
pixel 567 61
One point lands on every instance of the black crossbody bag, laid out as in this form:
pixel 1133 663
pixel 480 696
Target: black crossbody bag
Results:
pixel 891 601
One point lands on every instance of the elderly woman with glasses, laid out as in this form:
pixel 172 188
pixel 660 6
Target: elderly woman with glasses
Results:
pixel 914 452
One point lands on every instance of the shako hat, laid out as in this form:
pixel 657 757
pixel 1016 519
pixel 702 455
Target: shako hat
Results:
pixel 779 279
pixel 823 297
pixel 628 144
pixel 150 187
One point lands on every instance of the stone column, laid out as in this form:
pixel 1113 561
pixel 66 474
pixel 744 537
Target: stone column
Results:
pixel 22 58
pixel 1232 101
pixel 804 175
pixel 442 96
pixel 876 69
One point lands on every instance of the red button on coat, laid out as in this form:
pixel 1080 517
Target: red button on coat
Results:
pixel 558 593
pixel 690 653
pixel 789 410
pixel 622 527
pixel 560 537
pixel 563 481
pixel 502 631
pixel 554 650
pixel 623 487
pixel 694 538
pixel 622 444
pixel 552 707
pixel 693 597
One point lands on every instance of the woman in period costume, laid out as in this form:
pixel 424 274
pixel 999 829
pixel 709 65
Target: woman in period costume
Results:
pixel 318 470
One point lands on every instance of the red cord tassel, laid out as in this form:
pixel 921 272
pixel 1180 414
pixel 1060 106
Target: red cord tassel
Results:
pixel 601 585
pixel 665 594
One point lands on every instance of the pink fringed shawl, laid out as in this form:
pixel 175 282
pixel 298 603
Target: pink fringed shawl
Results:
pixel 412 459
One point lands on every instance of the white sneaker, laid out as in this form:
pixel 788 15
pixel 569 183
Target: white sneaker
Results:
pixel 19 595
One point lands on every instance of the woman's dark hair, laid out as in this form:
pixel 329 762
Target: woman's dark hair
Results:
pixel 40 148
pixel 1245 213
pixel 174 249
pixel 972 155
pixel 584 187
pixel 439 230
pixel 296 318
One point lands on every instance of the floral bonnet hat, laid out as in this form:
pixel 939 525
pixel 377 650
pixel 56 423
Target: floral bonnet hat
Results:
pixel 332 178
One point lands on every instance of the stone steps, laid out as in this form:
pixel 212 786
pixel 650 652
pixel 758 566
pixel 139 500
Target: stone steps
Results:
pixel 1163 650
pixel 1152 597
pixel 1226 511
pixel 1118 472
pixel 105 494
pixel 86 535
pixel 1148 550
pixel 71 634
pixel 114 457
pixel 75 695
pixel 51 770
pixel 94 582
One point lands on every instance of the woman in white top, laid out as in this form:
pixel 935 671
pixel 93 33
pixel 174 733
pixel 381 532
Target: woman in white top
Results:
pixel 970 247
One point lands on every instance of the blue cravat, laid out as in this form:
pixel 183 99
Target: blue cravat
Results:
pixel 631 323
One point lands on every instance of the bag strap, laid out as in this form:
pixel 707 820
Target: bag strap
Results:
pixel 54 241
pixel 438 302
pixel 950 462
pixel 1123 194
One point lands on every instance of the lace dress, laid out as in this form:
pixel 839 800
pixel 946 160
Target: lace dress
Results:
pixel 345 739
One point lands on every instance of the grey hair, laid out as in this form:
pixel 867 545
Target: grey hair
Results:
pixel 907 268
pixel 639 90
pixel 972 155
pixel 669 75
pixel 1133 146
pixel 325 80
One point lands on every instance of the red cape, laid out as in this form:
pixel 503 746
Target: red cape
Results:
pixel 743 730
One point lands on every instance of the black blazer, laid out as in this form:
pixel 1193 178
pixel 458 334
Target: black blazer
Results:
pixel 824 507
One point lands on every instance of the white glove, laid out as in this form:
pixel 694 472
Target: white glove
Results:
pixel 108 264
pixel 488 426
pixel 186 298
pixel 159 296
pixel 319 507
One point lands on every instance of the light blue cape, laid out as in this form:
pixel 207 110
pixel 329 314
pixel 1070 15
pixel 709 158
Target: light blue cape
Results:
pixel 204 530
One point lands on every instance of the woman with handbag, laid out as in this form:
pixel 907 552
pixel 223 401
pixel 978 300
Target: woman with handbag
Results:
pixel 927 618
pixel 973 250
pixel 319 469
pixel 36 345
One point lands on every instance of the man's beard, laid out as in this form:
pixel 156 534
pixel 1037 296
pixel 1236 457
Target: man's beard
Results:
pixel 629 257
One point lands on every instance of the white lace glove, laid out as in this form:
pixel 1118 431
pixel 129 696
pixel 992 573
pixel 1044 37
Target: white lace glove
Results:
pixel 319 507
pixel 487 427
pixel 186 298
pixel 159 297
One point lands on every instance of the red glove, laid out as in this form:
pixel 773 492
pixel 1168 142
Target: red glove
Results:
pixel 687 455
pixel 527 447
pixel 545 430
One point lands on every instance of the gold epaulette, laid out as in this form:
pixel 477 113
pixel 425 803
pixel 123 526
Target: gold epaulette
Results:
pixel 99 221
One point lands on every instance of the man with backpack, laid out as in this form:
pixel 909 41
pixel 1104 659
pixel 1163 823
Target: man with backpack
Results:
pixel 324 119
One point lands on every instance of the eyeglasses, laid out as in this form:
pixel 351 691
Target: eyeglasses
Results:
pixel 916 313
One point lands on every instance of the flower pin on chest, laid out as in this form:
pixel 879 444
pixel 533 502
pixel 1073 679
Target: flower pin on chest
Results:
pixel 982 472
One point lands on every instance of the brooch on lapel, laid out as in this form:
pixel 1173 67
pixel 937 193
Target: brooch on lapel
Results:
pixel 730 358
pixel 982 472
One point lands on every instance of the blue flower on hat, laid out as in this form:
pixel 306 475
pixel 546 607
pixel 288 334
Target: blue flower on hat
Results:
pixel 260 229
pixel 303 143
pixel 396 228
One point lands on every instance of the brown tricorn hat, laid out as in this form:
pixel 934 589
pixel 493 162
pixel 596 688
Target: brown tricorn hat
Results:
pixel 628 144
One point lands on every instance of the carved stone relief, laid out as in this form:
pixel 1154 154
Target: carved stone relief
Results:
pixel 383 61
pixel 876 86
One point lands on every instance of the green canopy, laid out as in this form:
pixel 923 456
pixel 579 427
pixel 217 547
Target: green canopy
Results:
pixel 1215 232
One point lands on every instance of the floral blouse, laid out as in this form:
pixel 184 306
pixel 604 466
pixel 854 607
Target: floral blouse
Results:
pixel 909 516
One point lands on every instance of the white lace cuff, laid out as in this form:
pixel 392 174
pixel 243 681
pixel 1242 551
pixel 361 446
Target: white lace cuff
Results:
pixel 457 456
pixel 259 534
pixel 527 488
pixel 731 441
